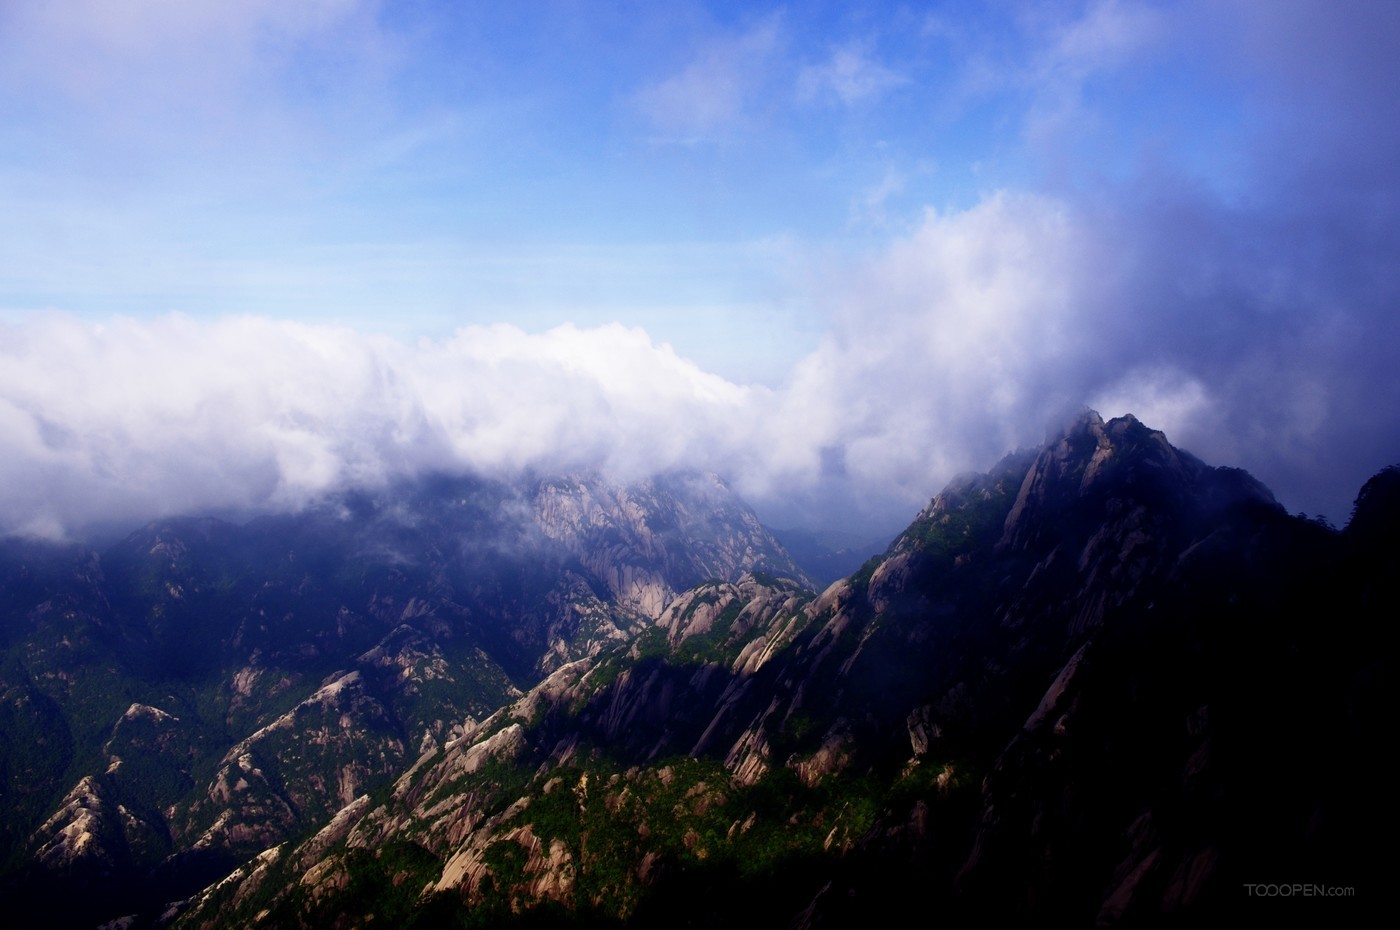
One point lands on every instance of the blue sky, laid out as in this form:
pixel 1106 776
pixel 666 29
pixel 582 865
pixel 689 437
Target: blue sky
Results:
pixel 879 242
pixel 413 167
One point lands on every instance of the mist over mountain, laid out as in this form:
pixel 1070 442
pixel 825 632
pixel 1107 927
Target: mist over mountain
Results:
pixel 1070 690
pixel 201 689
pixel 1181 209
pixel 396 402
pixel 828 556
pixel 112 424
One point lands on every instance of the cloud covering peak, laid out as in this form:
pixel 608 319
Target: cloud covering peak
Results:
pixel 967 337
pixel 132 418
pixel 858 250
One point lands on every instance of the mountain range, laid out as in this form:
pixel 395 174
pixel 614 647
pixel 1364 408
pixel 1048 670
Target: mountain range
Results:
pixel 1103 684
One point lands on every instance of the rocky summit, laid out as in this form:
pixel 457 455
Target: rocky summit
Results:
pixel 1103 683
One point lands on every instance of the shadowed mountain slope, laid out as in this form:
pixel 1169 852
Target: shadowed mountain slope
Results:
pixel 199 691
pixel 1101 684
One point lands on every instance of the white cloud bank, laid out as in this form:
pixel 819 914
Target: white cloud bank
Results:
pixel 129 419
pixel 962 340
pixel 1247 308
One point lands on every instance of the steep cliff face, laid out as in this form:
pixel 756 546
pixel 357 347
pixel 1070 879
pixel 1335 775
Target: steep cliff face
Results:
pixel 1073 690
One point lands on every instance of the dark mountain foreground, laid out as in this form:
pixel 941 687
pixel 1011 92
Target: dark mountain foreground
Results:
pixel 1102 684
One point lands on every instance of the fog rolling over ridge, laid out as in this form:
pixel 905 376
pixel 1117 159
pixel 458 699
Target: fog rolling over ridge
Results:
pixel 476 464
pixel 853 288
pixel 968 338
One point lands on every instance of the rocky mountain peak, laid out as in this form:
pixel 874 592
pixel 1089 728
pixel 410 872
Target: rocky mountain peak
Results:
pixel 1103 471
pixel 1068 693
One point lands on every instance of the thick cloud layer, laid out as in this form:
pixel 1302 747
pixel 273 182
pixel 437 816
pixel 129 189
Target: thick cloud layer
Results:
pixel 136 418
pixel 1216 324
pixel 1231 278
pixel 967 338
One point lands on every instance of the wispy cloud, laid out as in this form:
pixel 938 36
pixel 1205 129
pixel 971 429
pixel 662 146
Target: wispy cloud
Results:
pixel 1108 35
pixel 151 74
pixel 869 209
pixel 1070 55
pixel 720 91
pixel 852 75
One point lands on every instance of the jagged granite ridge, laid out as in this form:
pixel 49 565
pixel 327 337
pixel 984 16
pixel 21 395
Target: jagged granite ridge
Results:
pixel 1068 692
pixel 201 691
